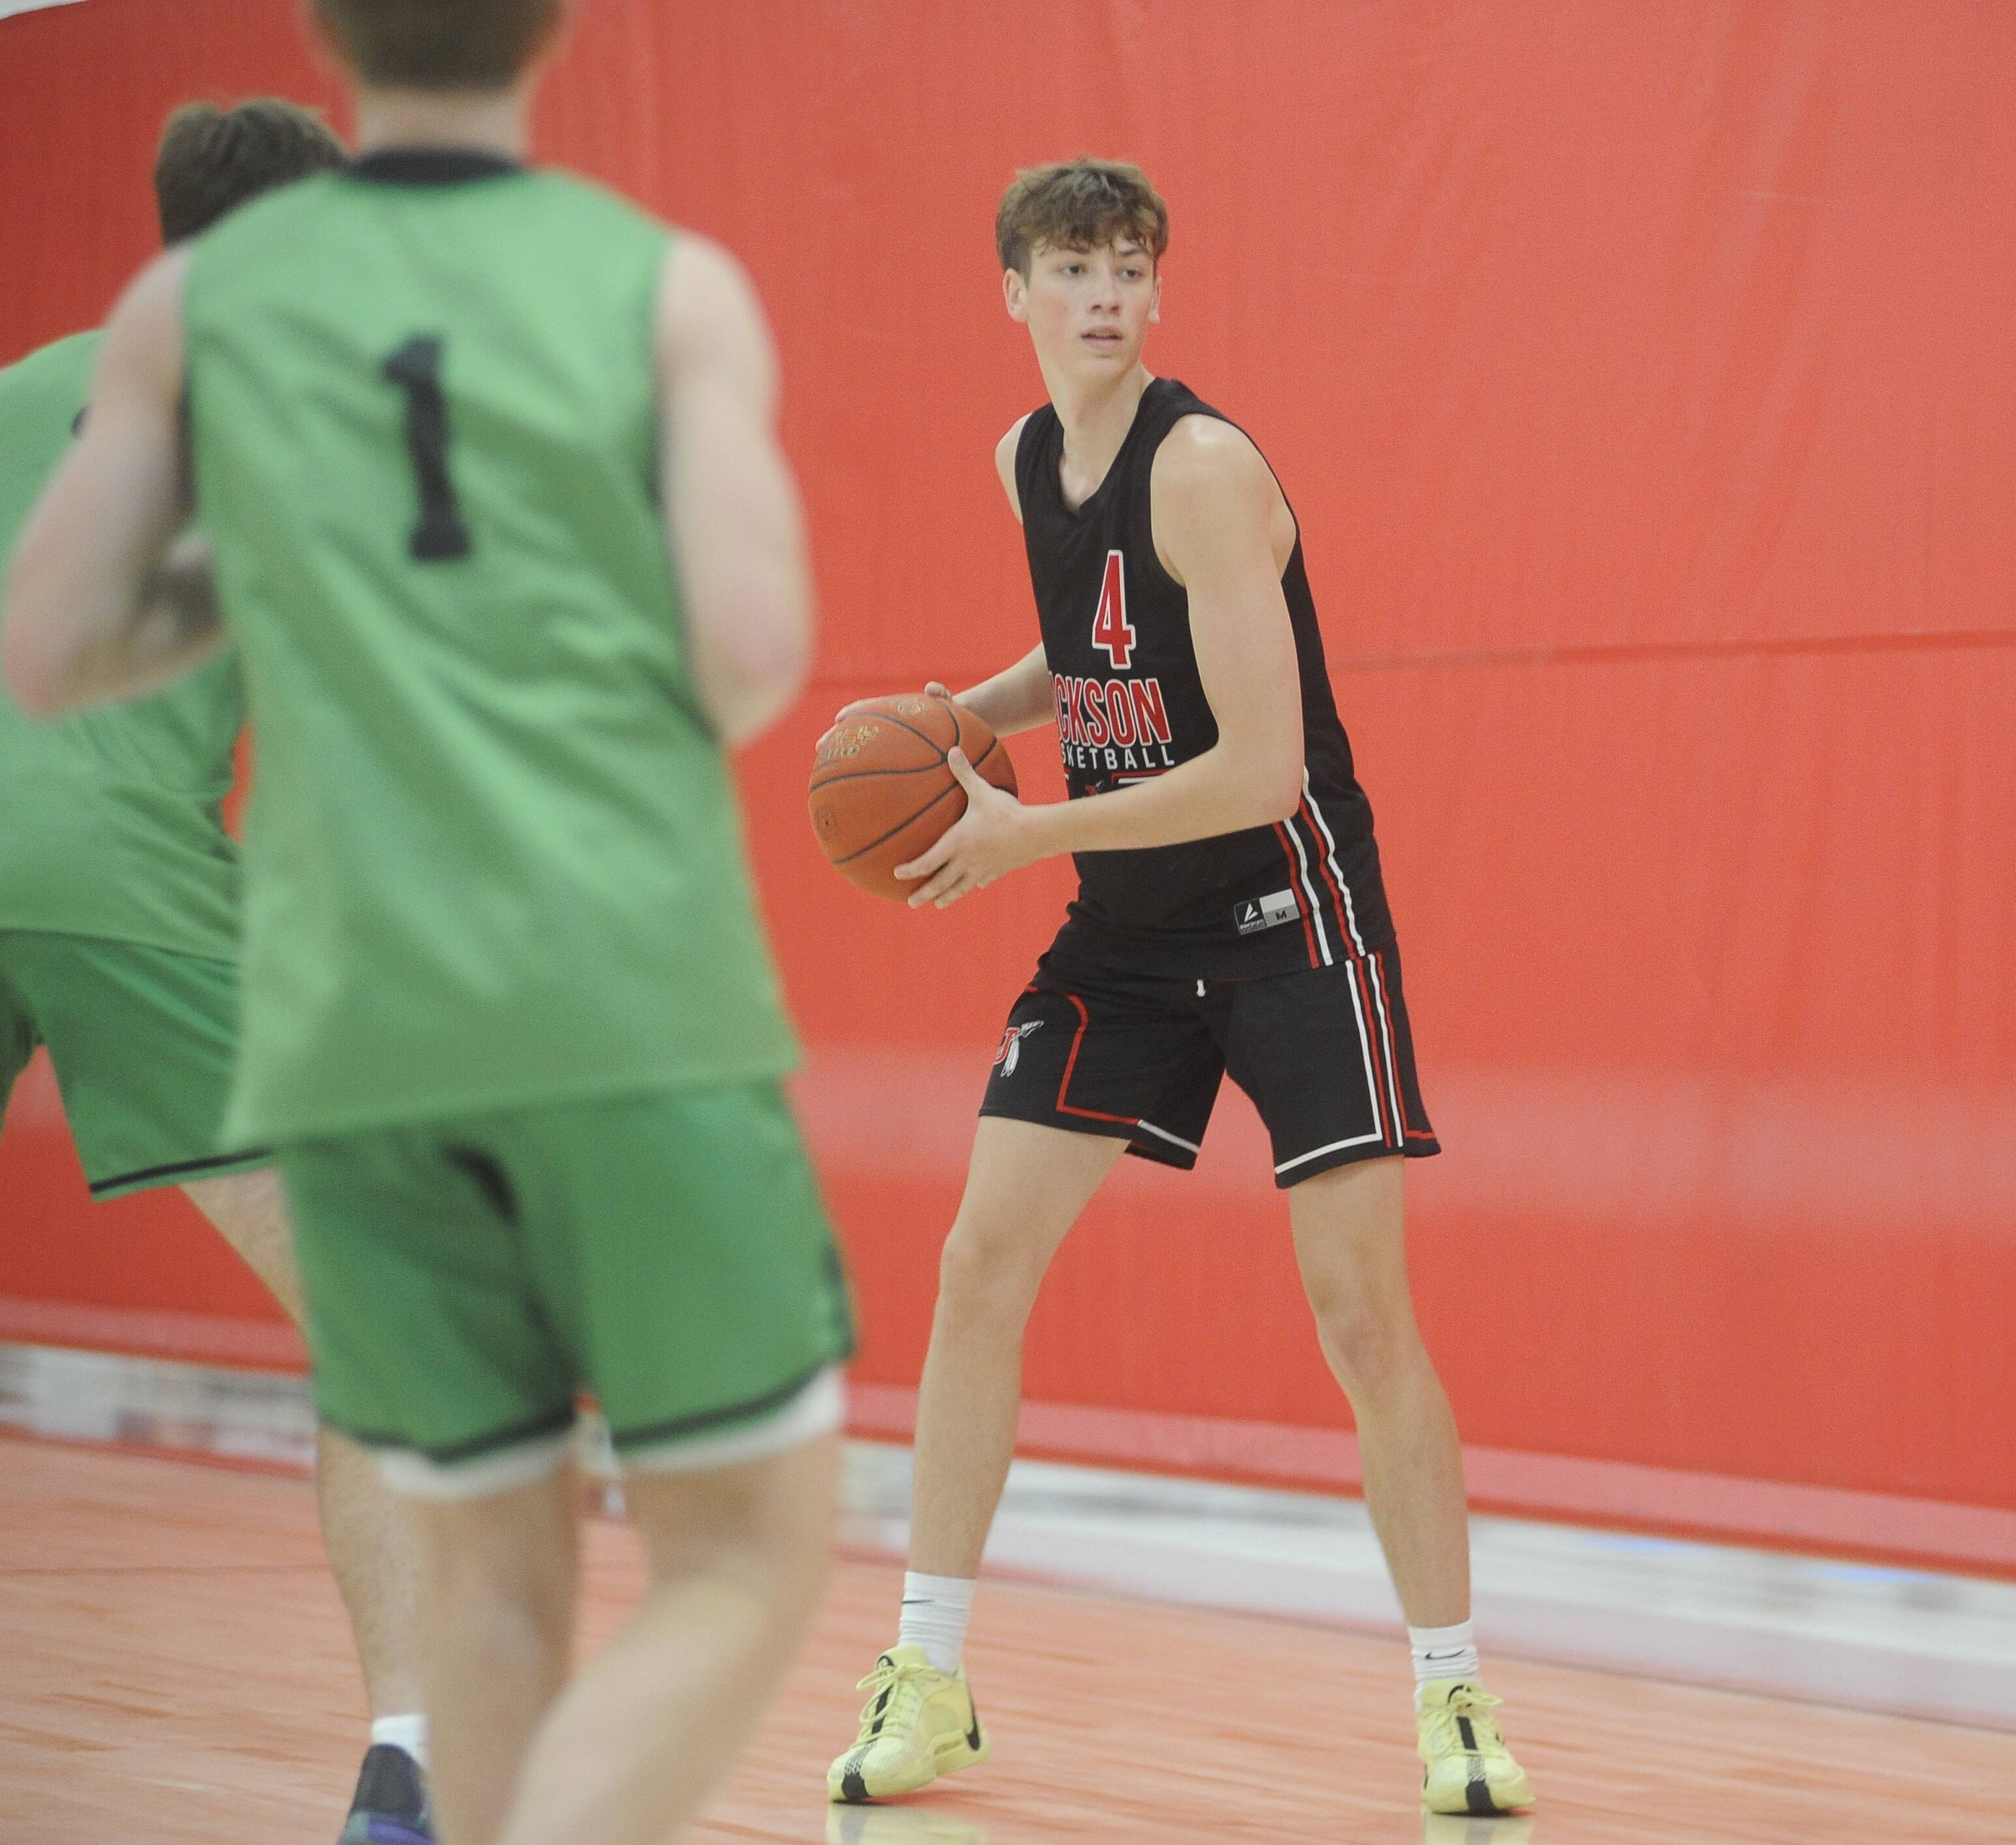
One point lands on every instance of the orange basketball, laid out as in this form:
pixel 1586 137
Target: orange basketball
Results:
pixel 882 791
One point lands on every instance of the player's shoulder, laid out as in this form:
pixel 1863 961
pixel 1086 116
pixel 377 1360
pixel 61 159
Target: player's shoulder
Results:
pixel 143 334
pixel 1010 447
pixel 1204 454
pixel 1006 451
pixel 707 306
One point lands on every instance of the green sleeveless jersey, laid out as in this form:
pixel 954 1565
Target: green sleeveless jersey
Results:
pixel 492 855
pixel 110 823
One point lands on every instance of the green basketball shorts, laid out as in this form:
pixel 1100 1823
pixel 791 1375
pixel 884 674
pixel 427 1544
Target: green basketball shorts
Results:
pixel 143 1040
pixel 468 1279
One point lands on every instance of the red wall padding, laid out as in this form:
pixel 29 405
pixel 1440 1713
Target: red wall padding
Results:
pixel 1641 378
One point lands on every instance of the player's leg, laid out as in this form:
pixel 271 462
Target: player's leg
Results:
pixel 499 1571
pixel 738 1555
pixel 1089 1064
pixel 370 1548
pixel 428 1338
pixel 1351 1246
pixel 1327 1057
pixel 678 1245
pixel 1026 1186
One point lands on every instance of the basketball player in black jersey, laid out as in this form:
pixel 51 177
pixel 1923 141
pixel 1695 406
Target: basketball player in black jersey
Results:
pixel 1229 920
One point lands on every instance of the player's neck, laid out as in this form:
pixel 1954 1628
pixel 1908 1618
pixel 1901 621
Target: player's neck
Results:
pixel 491 121
pixel 1096 414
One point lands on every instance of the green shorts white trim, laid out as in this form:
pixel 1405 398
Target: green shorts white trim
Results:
pixel 807 1412
pixel 143 1040
pixel 468 1280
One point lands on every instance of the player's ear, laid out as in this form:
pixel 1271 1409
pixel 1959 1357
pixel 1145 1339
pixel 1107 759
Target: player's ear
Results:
pixel 1155 302
pixel 1015 292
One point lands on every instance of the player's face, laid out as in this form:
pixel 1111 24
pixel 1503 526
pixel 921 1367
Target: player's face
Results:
pixel 1087 311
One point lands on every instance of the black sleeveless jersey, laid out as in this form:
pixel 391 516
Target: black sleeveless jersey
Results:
pixel 1130 705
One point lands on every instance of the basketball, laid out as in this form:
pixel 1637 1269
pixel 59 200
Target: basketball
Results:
pixel 882 791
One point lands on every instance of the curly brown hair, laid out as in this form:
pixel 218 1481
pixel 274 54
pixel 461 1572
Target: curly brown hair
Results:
pixel 1078 205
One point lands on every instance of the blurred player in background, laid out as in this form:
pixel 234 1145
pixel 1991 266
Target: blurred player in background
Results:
pixel 1230 919
pixel 457 428
pixel 119 893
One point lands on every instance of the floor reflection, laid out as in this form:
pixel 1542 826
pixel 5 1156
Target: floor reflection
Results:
pixel 921 1825
pixel 898 1825
pixel 1457 1829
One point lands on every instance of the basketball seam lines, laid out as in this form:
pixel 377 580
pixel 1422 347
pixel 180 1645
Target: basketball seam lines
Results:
pixel 921 811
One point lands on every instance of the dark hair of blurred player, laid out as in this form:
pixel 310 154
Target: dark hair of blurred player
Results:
pixel 211 161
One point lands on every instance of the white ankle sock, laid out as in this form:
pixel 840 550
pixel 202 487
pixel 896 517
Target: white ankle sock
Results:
pixel 1443 1652
pixel 407 1731
pixel 935 1608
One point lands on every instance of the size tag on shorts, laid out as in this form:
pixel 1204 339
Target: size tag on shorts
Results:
pixel 1256 913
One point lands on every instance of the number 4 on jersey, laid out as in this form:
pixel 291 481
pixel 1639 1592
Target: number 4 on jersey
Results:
pixel 1110 631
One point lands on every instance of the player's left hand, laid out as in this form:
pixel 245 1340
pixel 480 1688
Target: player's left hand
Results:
pixel 992 837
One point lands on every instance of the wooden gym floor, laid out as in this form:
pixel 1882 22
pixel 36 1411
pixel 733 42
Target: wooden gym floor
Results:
pixel 174 1666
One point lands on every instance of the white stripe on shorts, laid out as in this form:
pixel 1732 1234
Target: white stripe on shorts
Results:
pixel 1334 1147
pixel 818 1409
pixel 504 1470
pixel 1162 1134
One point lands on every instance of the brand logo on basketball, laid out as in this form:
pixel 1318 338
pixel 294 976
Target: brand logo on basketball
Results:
pixel 845 741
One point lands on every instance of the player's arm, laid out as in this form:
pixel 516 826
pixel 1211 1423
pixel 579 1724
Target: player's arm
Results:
pixel 1213 501
pixel 731 504
pixel 1017 697
pixel 102 600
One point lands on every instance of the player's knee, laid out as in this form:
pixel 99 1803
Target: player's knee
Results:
pixel 769 1523
pixel 986 1276
pixel 1368 1345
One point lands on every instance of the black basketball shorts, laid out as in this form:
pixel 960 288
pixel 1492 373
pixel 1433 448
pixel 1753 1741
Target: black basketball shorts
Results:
pixel 1324 1053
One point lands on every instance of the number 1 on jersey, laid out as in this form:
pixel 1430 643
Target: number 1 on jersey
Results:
pixel 1110 630
pixel 415 367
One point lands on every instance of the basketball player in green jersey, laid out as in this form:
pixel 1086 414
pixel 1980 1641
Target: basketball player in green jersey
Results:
pixel 119 931
pixel 457 430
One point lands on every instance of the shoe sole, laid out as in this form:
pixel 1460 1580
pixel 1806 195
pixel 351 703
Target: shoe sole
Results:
pixel 838 1790
pixel 1497 1803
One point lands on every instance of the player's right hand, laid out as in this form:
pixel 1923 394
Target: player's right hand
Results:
pixel 933 690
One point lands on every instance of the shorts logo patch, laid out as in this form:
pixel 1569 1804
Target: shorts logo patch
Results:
pixel 1010 1053
pixel 1256 914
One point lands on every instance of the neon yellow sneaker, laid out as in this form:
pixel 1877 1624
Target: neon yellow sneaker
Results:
pixel 1465 1767
pixel 917 1725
